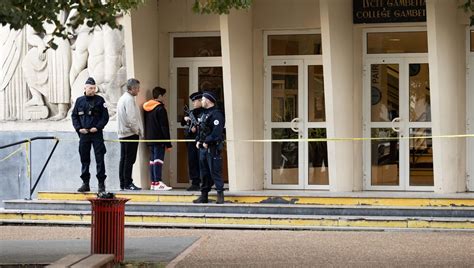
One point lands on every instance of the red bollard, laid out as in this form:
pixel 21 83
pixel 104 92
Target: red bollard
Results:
pixel 108 226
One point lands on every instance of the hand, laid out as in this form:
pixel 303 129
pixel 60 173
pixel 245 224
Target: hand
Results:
pixel 83 131
pixel 93 130
pixel 193 129
pixel 42 56
pixel 41 52
pixel 204 145
pixel 187 118
pixel 169 149
pixel 197 144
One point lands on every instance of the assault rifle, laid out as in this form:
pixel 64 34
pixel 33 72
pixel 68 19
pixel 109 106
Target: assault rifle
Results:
pixel 194 122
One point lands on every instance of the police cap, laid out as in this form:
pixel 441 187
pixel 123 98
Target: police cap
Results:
pixel 90 81
pixel 195 96
pixel 210 96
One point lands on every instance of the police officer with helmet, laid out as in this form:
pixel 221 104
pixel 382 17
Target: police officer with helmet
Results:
pixel 210 143
pixel 89 118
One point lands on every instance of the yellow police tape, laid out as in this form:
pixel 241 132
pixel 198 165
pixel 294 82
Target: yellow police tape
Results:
pixel 12 154
pixel 28 165
pixel 27 145
pixel 300 140
pixel 315 139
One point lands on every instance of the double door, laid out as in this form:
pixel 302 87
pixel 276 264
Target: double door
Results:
pixel 188 76
pixel 294 112
pixel 397 118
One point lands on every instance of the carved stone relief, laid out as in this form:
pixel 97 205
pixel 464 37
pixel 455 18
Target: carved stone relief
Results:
pixel 38 84
pixel 13 88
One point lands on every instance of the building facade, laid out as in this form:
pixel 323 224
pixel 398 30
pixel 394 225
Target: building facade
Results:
pixel 375 92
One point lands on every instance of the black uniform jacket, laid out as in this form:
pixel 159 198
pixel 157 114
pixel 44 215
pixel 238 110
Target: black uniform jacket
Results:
pixel 211 130
pixel 156 123
pixel 90 112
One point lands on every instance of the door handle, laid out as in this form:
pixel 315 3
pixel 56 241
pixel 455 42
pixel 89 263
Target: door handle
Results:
pixel 396 119
pixel 294 124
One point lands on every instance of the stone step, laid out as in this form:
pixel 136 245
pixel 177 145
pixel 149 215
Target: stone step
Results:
pixel 226 220
pixel 251 209
pixel 285 197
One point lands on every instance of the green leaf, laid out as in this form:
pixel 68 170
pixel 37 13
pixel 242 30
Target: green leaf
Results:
pixel 19 13
pixel 219 6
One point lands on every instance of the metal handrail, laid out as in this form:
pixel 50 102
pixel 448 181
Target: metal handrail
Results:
pixel 32 190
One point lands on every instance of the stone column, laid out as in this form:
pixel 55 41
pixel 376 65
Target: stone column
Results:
pixel 447 61
pixel 141 48
pixel 237 65
pixel 336 31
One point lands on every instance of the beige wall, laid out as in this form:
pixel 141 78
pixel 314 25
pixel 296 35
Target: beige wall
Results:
pixel 338 67
pixel 236 35
pixel 176 16
pixel 357 102
pixel 286 14
pixel 447 59
pixel 141 28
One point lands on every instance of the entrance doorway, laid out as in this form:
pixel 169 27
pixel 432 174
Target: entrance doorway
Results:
pixel 196 65
pixel 397 115
pixel 295 109
pixel 397 111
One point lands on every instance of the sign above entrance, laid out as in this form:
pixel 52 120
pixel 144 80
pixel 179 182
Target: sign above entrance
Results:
pixel 388 11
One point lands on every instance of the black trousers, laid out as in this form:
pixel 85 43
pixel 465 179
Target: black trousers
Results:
pixel 210 164
pixel 128 156
pixel 86 141
pixel 193 164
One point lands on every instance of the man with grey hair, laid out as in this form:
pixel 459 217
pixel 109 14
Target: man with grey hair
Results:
pixel 129 130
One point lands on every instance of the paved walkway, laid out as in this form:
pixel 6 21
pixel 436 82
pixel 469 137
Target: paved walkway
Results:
pixel 248 248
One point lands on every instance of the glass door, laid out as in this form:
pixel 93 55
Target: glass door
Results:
pixel 397 116
pixel 295 110
pixel 188 77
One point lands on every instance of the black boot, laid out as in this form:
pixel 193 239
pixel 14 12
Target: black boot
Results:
pixel 84 188
pixel 101 187
pixel 193 187
pixel 220 197
pixel 202 199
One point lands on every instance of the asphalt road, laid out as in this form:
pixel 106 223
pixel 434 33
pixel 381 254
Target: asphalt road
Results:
pixel 249 248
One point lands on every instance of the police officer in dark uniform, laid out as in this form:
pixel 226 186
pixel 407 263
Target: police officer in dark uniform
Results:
pixel 210 143
pixel 89 118
pixel 190 121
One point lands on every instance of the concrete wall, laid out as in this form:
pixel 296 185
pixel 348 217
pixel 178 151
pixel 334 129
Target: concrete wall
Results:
pixel 236 36
pixel 447 59
pixel 64 168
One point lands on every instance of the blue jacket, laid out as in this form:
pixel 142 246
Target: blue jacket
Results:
pixel 89 112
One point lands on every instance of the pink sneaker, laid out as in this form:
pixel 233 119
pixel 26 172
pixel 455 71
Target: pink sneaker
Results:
pixel 153 185
pixel 161 186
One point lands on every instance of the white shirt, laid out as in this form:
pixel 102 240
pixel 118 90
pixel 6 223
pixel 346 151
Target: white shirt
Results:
pixel 128 117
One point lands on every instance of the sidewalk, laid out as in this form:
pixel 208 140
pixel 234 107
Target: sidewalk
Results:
pixel 149 250
pixel 250 248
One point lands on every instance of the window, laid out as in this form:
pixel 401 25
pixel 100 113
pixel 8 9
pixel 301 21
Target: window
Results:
pixel 294 44
pixel 397 42
pixel 201 46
